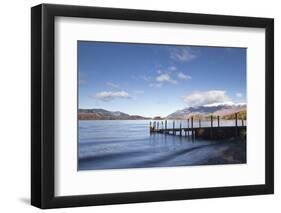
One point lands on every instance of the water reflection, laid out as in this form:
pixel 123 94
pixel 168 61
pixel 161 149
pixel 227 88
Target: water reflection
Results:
pixel 129 144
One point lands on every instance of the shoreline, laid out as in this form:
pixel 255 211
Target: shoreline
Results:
pixel 215 153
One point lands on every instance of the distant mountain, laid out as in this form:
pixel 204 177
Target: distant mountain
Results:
pixel 224 110
pixel 101 114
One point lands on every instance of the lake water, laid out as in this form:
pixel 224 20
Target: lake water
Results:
pixel 117 144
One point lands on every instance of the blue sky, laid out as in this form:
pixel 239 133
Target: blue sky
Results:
pixel 156 80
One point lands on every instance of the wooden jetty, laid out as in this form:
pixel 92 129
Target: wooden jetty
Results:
pixel 211 133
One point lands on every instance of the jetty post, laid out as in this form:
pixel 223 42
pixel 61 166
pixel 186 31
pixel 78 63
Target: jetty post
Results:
pixel 173 127
pixel 192 133
pixel 188 126
pixel 211 131
pixel 180 129
pixel 236 124
pixel 184 129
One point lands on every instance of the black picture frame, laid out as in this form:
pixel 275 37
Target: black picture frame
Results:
pixel 43 110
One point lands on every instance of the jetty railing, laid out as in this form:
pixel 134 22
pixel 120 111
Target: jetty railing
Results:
pixel 212 128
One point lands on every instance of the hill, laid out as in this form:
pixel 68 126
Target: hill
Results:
pixel 226 111
pixel 102 114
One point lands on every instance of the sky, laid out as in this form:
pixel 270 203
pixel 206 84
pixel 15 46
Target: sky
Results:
pixel 156 79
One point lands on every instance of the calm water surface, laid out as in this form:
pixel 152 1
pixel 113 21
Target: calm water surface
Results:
pixel 119 144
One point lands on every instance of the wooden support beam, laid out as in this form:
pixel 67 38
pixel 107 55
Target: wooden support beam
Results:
pixel 211 131
pixel 208 133
pixel 173 127
pixel 180 130
pixel 188 127
pixel 236 123
pixel 192 127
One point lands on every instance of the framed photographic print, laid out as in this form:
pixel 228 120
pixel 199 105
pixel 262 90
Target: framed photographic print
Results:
pixel 139 106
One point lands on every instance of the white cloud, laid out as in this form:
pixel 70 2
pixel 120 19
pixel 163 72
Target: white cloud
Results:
pixel 112 85
pixel 138 92
pixel 172 68
pixel 157 85
pixel 109 96
pixel 206 98
pixel 183 76
pixel 165 78
pixel 239 95
pixel 146 78
pixel 183 54
pixel 226 103
pixel 220 103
